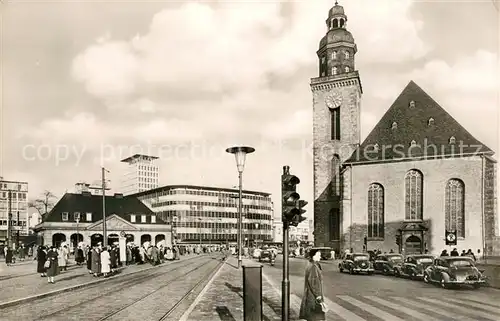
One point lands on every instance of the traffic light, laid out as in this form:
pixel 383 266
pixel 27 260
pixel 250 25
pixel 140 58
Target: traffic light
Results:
pixel 292 205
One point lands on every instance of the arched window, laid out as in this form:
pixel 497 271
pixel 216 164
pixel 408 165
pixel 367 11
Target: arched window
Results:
pixel 412 104
pixel 334 70
pixel 413 195
pixel 452 140
pixel 455 207
pixel 335 184
pixel 341 23
pixel 430 122
pixel 376 211
pixel 335 23
pixel 394 125
pixel 334 55
pixel 347 69
pixel 346 54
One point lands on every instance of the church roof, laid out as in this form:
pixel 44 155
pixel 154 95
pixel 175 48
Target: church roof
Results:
pixel 416 127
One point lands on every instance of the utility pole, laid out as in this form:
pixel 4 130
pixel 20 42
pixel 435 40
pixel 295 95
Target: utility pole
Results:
pixel 105 239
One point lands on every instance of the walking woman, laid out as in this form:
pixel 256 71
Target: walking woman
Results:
pixel 89 259
pixel 41 257
pixel 52 266
pixel 105 261
pixel 311 308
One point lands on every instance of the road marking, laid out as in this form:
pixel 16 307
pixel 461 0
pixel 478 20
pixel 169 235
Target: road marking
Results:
pixel 405 310
pixel 476 305
pixel 342 312
pixel 458 308
pixel 433 309
pixel 482 300
pixel 186 314
pixel 377 312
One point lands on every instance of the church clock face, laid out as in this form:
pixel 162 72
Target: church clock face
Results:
pixel 333 100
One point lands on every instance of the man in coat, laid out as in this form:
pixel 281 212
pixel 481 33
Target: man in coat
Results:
pixel 96 261
pixel 310 308
pixel 41 257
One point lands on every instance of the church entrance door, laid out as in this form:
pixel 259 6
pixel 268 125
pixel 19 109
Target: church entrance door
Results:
pixel 413 245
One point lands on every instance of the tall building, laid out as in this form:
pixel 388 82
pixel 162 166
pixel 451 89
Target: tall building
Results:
pixel 418 174
pixel 13 200
pixel 202 214
pixel 142 174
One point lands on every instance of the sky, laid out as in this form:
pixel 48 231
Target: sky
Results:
pixel 85 84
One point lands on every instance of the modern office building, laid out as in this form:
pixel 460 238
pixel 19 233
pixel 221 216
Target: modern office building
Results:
pixel 209 215
pixel 141 174
pixel 13 200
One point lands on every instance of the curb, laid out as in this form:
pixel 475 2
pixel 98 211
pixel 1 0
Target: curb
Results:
pixel 71 288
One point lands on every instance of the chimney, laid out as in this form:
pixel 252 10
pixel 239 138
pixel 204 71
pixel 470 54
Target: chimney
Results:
pixel 118 195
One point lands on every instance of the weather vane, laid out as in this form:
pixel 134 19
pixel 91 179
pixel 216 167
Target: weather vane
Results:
pixel 336 2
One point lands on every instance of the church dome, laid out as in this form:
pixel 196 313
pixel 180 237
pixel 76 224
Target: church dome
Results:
pixel 336 11
pixel 335 36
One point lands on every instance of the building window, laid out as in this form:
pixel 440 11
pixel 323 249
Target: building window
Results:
pixel 455 207
pixel 153 219
pixel 376 147
pixel 376 211
pixel 412 104
pixel 413 195
pixel 132 218
pixel 334 55
pixel 452 140
pixel 76 216
pixel 334 70
pixel 335 183
pixel 347 69
pixel 346 54
pixel 89 217
pixel 143 218
pixel 413 143
pixel 430 122
pixel 65 216
pixel 335 123
pixel 335 224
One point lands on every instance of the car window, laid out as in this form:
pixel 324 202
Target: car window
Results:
pixel 396 259
pixel 461 263
pixel 424 260
pixel 348 257
pixel 361 258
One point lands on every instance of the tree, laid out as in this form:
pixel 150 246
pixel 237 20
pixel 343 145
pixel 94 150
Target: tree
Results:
pixel 43 204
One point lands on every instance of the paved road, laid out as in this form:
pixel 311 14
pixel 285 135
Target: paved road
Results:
pixel 377 297
pixel 145 295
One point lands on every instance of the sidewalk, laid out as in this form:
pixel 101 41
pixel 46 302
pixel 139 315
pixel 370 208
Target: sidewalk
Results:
pixel 24 282
pixel 223 299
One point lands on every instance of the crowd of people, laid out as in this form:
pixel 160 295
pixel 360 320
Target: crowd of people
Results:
pixel 21 252
pixel 469 253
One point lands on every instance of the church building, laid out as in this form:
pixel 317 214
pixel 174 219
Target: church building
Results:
pixel 418 175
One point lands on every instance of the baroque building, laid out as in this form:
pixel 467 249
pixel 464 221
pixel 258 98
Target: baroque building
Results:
pixel 418 173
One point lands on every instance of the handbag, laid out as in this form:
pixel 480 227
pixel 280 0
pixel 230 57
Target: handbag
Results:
pixel 47 264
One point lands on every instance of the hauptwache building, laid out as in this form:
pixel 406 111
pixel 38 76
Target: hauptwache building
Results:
pixel 418 173
pixel 78 217
pixel 209 215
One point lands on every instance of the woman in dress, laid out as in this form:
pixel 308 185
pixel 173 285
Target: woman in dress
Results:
pixel 41 257
pixel 96 261
pixel 79 256
pixel 53 268
pixel 311 308
pixel 105 262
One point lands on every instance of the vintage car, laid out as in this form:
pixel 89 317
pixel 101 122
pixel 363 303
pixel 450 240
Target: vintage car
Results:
pixel 356 263
pixel 454 270
pixel 266 255
pixel 387 263
pixel 414 266
pixel 326 252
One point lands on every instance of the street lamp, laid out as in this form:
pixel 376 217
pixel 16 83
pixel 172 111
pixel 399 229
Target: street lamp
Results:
pixel 240 153
pixel 256 233
pixel 200 219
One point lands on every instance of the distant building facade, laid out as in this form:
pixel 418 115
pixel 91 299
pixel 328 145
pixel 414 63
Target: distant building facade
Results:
pixel 13 200
pixel 202 214
pixel 79 218
pixel 141 174
pixel 300 233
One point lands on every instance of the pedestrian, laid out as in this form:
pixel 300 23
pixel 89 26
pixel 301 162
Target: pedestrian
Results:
pixel 113 258
pixel 444 253
pixel 52 264
pixel 61 259
pixel 454 252
pixel 9 255
pixel 41 257
pixel 105 262
pixel 96 261
pixel 79 256
pixel 22 252
pixel 463 253
pixel 312 307
pixel 89 259
pixel 470 254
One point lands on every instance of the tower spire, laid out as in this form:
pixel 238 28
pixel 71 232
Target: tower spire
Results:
pixel 336 2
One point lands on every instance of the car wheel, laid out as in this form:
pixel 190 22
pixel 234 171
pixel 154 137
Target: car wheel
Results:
pixel 426 278
pixel 341 269
pixel 443 284
pixel 477 286
pixel 351 271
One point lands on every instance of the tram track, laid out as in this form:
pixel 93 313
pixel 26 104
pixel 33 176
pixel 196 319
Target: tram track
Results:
pixel 180 278
pixel 87 296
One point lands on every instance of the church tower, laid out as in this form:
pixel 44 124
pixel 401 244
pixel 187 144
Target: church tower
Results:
pixel 336 130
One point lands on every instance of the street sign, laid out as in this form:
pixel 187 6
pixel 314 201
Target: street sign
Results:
pixel 451 237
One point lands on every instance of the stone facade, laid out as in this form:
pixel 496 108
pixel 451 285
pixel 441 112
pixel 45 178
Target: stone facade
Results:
pixel 490 201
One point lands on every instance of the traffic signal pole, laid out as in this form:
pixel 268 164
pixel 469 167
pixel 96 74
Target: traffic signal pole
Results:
pixel 285 286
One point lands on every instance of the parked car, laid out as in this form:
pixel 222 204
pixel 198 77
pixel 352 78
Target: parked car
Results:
pixel 356 263
pixel 454 270
pixel 414 266
pixel 256 253
pixel 386 263
pixel 326 252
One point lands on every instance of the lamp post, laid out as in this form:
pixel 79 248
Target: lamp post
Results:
pixel 200 219
pixel 256 234
pixel 104 238
pixel 240 153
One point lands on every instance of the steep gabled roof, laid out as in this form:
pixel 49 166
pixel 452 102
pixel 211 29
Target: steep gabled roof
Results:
pixel 415 116
pixel 84 203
